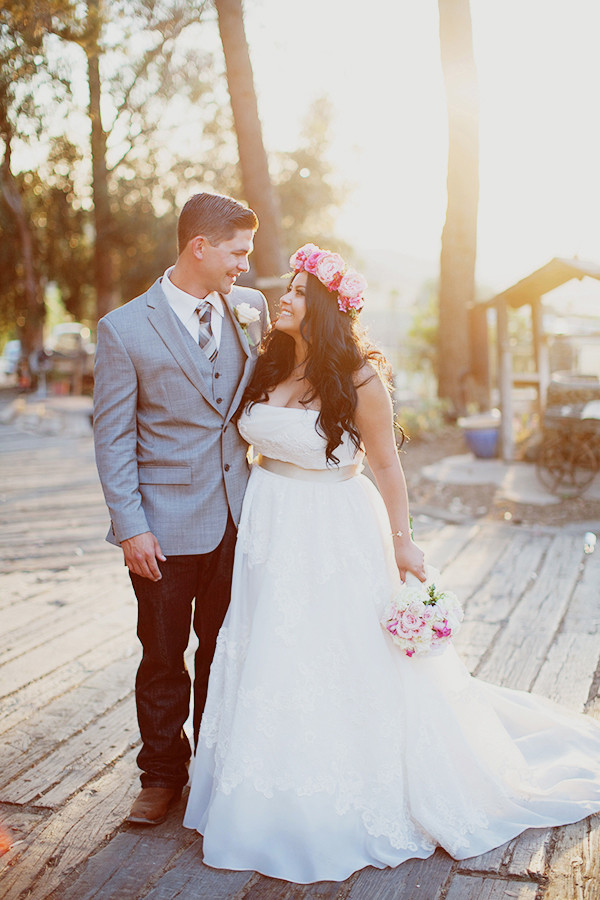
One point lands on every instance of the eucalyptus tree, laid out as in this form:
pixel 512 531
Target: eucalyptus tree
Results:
pixel 24 77
pixel 140 73
pixel 459 236
pixel 257 185
pixel 98 211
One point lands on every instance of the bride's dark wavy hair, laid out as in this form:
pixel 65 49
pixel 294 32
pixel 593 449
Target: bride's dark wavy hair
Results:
pixel 337 350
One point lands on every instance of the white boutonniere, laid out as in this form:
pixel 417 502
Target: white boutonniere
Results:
pixel 249 319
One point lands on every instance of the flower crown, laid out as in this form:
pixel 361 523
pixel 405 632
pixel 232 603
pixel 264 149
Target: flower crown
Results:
pixel 332 271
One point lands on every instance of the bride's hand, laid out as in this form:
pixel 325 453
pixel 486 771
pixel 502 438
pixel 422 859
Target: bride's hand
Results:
pixel 409 558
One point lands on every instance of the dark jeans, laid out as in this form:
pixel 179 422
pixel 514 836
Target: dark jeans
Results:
pixel 163 684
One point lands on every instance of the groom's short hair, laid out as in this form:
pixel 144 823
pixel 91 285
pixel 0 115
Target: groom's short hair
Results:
pixel 213 216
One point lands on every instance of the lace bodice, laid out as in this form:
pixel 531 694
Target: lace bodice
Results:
pixel 290 434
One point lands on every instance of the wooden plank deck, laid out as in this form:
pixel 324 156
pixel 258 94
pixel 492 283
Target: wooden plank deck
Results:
pixel 68 732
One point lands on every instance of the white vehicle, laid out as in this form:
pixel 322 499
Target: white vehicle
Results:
pixel 10 358
pixel 71 341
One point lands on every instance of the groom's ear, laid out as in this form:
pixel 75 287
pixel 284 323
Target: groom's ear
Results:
pixel 197 245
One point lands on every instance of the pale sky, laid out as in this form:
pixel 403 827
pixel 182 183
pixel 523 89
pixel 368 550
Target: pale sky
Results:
pixel 539 74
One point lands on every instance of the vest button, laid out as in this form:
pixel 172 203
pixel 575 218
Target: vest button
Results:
pixel 217 374
pixel 219 399
pixel 226 467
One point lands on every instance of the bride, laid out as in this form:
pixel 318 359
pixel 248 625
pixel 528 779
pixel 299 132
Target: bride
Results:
pixel 323 747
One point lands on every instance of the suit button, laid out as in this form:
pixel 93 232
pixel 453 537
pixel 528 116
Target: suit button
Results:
pixel 224 428
pixel 226 467
pixel 217 374
pixel 219 399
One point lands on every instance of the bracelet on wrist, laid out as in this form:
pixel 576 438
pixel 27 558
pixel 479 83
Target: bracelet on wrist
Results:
pixel 397 534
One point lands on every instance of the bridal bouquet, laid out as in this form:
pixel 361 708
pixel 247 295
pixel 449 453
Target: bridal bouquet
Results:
pixel 421 618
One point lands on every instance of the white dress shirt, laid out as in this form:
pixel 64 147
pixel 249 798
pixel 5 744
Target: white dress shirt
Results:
pixel 184 306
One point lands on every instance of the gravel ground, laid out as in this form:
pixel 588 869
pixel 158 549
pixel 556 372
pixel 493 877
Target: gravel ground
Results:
pixel 476 501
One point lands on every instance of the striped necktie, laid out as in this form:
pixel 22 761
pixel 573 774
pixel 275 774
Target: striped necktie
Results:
pixel 206 338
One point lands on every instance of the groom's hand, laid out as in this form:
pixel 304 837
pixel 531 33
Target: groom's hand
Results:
pixel 142 553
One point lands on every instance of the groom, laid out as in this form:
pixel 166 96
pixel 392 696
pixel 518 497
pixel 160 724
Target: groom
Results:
pixel 171 368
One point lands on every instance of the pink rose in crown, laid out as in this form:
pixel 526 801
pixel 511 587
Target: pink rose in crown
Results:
pixel 356 303
pixel 352 285
pixel 330 269
pixel 352 306
pixel 312 262
pixel 298 259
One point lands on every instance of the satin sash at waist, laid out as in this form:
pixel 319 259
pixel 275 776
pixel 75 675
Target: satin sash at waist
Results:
pixel 290 470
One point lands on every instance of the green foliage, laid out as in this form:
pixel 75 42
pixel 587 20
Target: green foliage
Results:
pixel 29 89
pixel 11 288
pixel 423 333
pixel 432 597
pixel 307 194
pixel 59 228
pixel 144 242
pixel 424 419
pixel 62 230
pixel 145 67
pixel 25 71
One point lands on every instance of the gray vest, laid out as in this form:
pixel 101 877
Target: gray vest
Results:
pixel 225 378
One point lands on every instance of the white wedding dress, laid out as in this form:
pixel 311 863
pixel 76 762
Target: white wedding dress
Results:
pixel 323 748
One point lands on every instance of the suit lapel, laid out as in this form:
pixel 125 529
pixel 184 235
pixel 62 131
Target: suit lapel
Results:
pixel 250 358
pixel 195 366
pixel 229 309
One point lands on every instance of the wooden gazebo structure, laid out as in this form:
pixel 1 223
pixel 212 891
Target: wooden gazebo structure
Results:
pixel 529 291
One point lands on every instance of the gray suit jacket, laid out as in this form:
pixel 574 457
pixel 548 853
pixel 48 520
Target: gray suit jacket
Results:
pixel 169 457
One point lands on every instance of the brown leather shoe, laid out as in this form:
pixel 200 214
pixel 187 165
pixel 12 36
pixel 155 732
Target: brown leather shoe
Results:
pixel 152 805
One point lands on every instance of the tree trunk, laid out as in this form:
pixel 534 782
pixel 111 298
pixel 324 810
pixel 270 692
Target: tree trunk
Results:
pixel 106 295
pixel 268 257
pixel 31 323
pixel 459 236
pixel 480 356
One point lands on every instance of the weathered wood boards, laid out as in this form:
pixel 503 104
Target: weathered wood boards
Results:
pixel 70 834
pixel 68 734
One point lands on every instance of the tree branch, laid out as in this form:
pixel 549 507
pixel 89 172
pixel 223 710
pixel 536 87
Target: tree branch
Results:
pixel 173 27
pixel 141 133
